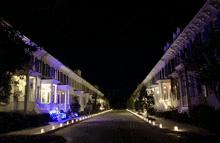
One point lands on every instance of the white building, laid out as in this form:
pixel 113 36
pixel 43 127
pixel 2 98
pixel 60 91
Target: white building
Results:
pixel 164 81
pixel 49 85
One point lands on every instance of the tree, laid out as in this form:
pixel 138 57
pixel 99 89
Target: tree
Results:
pixel 147 101
pixel 137 105
pixel 206 61
pixel 75 106
pixel 88 106
pixel 15 58
pixel 130 103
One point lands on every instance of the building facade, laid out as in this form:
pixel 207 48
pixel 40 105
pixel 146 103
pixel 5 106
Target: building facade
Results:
pixel 48 85
pixel 171 81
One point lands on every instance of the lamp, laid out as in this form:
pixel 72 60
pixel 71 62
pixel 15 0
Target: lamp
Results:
pixel 175 128
pixel 42 130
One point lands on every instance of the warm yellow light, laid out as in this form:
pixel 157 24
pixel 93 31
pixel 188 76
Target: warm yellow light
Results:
pixel 160 125
pixel 24 83
pixel 72 121
pixel 53 127
pixel 158 92
pixel 153 122
pixel 175 128
pixel 149 121
pixel 67 122
pixel 164 87
pixel 42 130
pixel 61 124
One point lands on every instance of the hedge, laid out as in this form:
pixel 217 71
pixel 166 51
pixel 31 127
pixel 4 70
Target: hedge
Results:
pixel 11 121
pixel 159 114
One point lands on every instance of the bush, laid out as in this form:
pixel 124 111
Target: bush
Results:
pixel 159 113
pixel 152 111
pixel 83 113
pixel 168 114
pixel 149 118
pixel 11 121
pixel 182 118
pixel 200 114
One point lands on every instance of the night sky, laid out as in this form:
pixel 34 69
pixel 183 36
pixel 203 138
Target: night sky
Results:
pixel 115 44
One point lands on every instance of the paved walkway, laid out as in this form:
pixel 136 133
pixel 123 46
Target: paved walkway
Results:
pixel 168 126
pixel 52 126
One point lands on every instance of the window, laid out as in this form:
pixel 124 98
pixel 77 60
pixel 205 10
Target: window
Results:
pixel 175 89
pixel 169 67
pixel 172 65
pixel 37 65
pixel 62 97
pixel 215 25
pixel 64 78
pixel 192 91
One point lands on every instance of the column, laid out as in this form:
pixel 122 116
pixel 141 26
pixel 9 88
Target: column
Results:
pixel 51 96
pixel 26 93
pixel 65 98
pixel 181 92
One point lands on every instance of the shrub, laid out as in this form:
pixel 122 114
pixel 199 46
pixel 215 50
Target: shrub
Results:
pixel 83 113
pixel 168 114
pixel 149 118
pixel 152 111
pixel 182 118
pixel 200 114
pixel 159 113
pixel 43 118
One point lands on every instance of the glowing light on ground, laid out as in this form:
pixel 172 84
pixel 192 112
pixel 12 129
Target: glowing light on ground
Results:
pixel 42 130
pixel 175 128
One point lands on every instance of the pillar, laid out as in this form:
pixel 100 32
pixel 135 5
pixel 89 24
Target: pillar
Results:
pixel 26 93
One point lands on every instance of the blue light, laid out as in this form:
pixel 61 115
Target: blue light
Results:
pixel 76 115
pixel 52 111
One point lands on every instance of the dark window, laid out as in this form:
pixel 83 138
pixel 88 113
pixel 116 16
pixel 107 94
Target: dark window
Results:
pixel 58 75
pixel 172 65
pixel 47 70
pixel 62 97
pixel 43 69
pixel 192 91
pixel 61 77
pixel 169 68
pixel 64 78
pixel 37 65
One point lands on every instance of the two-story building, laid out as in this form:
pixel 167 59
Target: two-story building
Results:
pixel 48 85
pixel 170 81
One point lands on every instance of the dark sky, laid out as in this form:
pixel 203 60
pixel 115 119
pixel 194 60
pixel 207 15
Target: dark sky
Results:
pixel 115 44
